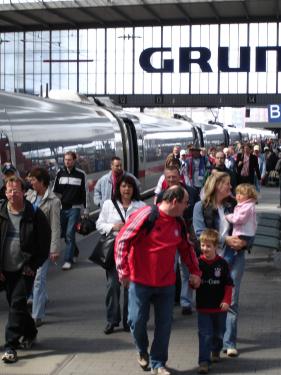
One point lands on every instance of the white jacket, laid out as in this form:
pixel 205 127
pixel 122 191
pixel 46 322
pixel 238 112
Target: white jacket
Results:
pixel 110 216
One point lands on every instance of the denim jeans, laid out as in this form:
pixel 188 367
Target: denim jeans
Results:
pixel 229 255
pixel 68 220
pixel 112 299
pixel 40 291
pixel 186 297
pixel 140 297
pixel 211 328
pixel 237 270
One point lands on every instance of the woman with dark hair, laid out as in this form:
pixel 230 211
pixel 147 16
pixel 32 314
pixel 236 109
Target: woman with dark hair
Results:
pixel 43 197
pixel 210 213
pixel 247 166
pixel 127 198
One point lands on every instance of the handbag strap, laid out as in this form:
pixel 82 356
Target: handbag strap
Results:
pixel 118 210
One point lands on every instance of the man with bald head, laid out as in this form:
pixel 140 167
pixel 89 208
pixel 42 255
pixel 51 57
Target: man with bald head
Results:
pixel 149 273
pixel 220 167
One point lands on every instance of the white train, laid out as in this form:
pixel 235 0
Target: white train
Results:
pixel 37 132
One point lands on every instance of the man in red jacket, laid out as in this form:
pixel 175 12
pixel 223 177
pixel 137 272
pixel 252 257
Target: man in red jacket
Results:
pixel 145 261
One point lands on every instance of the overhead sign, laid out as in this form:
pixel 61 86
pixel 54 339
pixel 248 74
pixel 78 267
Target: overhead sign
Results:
pixel 186 59
pixel 274 113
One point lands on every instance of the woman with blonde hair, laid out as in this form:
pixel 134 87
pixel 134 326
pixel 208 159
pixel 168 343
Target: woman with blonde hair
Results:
pixel 210 213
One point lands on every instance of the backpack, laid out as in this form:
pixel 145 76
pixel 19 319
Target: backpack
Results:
pixel 153 216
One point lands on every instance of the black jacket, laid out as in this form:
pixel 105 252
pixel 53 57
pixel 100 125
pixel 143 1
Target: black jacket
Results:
pixel 253 167
pixel 72 187
pixel 35 234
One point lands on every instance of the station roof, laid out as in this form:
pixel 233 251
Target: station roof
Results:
pixel 20 15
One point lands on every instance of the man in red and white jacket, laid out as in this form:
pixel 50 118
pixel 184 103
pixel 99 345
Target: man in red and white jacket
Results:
pixel 145 262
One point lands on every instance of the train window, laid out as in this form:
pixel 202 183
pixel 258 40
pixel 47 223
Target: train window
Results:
pixel 94 158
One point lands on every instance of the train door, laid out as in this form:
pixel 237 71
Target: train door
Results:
pixel 226 137
pixel 200 136
pixel 132 154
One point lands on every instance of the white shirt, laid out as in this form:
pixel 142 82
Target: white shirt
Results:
pixel 110 216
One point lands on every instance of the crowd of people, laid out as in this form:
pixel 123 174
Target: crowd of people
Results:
pixel 193 238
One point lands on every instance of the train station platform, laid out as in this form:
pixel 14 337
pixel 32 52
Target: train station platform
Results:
pixel 72 342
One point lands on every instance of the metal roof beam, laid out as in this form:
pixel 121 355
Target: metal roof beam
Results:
pixel 151 11
pixel 20 26
pixel 88 12
pixel 117 10
pixel 184 12
pixel 246 9
pixel 277 9
pixel 30 16
pixel 214 10
pixel 60 14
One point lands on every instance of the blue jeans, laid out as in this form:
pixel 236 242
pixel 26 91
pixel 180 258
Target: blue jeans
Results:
pixel 237 271
pixel 211 328
pixel 68 219
pixel 40 291
pixel 186 298
pixel 140 297
pixel 230 254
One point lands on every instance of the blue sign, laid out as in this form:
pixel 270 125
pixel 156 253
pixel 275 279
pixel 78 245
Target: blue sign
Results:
pixel 274 113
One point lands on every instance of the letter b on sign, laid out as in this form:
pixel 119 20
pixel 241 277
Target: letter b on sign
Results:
pixel 274 113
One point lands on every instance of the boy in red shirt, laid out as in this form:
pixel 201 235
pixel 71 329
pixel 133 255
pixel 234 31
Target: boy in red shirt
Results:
pixel 213 299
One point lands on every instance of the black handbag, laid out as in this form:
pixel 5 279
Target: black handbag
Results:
pixel 103 253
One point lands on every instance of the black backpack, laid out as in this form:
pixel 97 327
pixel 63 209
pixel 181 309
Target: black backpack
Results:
pixel 153 216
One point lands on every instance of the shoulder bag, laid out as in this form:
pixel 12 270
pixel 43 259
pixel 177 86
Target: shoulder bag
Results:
pixel 103 253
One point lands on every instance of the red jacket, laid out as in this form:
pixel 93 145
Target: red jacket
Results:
pixel 149 258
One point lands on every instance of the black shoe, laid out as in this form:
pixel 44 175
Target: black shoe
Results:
pixel 28 342
pixel 109 328
pixel 126 327
pixel 186 311
pixel 38 322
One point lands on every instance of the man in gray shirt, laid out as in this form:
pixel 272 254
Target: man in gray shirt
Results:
pixel 25 242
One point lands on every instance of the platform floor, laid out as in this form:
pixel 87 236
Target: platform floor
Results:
pixel 72 342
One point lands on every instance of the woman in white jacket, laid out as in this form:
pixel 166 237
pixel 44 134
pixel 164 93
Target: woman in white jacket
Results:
pixel 128 200
pixel 42 196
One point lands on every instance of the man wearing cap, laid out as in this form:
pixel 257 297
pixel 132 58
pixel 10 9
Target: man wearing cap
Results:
pixel 8 170
pixel 262 167
pixel 196 167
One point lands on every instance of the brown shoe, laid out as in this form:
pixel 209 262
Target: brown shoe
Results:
pixel 203 368
pixel 215 357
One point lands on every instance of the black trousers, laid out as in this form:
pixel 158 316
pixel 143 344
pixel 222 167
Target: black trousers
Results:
pixel 112 299
pixel 20 322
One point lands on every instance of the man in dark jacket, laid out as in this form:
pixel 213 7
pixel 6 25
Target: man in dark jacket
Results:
pixel 24 246
pixel 71 187
pixel 219 166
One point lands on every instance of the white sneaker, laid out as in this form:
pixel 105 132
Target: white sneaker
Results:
pixel 74 260
pixel 66 266
pixel 232 352
pixel 160 370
